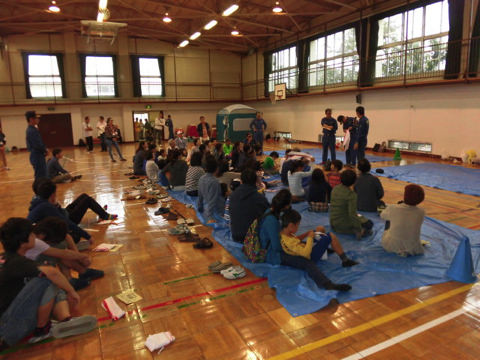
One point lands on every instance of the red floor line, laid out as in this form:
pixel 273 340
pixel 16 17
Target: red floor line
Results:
pixel 176 301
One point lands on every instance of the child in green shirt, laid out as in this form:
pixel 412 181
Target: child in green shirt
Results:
pixel 227 148
pixel 269 165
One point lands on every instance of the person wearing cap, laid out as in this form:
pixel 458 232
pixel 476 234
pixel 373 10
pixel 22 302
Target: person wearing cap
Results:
pixel 35 145
pixel 404 222
pixel 180 141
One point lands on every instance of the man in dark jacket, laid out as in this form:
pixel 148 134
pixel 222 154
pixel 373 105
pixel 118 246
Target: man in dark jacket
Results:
pixel 45 204
pixel 203 129
pixel 35 145
pixel 246 205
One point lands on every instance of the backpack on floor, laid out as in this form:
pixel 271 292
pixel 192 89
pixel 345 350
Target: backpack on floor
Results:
pixel 252 247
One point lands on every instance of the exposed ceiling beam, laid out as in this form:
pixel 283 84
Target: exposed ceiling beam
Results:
pixel 291 17
pixel 339 3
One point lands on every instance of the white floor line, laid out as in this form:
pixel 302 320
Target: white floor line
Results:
pixel 399 338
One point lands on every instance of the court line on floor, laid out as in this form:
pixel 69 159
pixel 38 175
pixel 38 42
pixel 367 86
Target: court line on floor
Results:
pixel 370 324
pixel 404 336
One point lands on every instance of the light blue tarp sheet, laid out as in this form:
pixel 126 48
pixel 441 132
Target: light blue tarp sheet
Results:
pixel 340 155
pixel 378 272
pixel 440 176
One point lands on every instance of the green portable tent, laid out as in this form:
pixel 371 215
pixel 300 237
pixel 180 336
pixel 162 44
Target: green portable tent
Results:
pixel 233 122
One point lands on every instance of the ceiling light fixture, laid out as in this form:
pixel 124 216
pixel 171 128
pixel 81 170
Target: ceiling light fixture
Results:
pixel 100 16
pixel 54 8
pixel 184 43
pixel 167 19
pixel 235 32
pixel 229 11
pixel 195 35
pixel 102 4
pixel 277 9
pixel 211 25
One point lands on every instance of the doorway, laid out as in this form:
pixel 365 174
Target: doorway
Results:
pixel 56 130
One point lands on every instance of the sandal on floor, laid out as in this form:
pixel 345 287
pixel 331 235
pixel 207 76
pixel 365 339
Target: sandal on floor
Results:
pixel 162 211
pixel 214 264
pixel 171 216
pixel 205 243
pixel 189 237
pixel 180 221
pixel 218 268
pixel 151 201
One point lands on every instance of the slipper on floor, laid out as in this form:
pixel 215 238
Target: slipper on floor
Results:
pixel 234 272
pixel 180 221
pixel 171 216
pixel 214 264
pixel 190 221
pixel 218 268
pixel 162 211
pixel 74 326
pixel 151 201
pixel 204 243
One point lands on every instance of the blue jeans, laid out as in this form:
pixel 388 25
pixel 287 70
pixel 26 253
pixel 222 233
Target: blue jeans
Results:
pixel 258 138
pixel 39 165
pixel 362 144
pixel 20 319
pixel 309 266
pixel 328 142
pixel 111 142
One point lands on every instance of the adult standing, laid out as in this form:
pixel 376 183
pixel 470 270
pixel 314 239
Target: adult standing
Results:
pixel 329 125
pixel 3 142
pixel 137 127
pixel 35 145
pixel 101 125
pixel 350 127
pixel 258 125
pixel 159 128
pixel 111 136
pixel 169 125
pixel 203 129
pixel 362 134
pixel 88 134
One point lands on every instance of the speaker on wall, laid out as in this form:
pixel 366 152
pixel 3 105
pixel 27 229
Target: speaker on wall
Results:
pixel 358 98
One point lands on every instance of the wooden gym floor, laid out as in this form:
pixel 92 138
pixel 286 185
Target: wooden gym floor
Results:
pixel 215 318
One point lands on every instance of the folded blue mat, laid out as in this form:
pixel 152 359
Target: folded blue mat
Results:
pixel 378 272
pixel 440 176
pixel 317 153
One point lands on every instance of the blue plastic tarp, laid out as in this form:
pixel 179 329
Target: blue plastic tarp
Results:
pixel 440 176
pixel 340 155
pixel 379 272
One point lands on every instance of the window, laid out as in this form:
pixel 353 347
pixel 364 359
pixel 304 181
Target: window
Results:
pixel 150 78
pixel 414 41
pixel 333 59
pixel 99 77
pixel 411 146
pixel 44 80
pixel 284 69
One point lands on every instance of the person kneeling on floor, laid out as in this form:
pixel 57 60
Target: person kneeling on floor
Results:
pixel 304 255
pixel 404 222
pixel 31 294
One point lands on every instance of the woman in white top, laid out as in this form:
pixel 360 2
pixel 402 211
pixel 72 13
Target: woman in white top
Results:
pixel 101 125
pixel 404 222
pixel 295 179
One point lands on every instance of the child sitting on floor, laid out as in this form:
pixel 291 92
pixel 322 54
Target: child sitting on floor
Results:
pixel 334 175
pixel 318 192
pixel 369 189
pixel 269 165
pixel 56 172
pixel 343 208
pixel 151 168
pixel 210 196
pixel 295 178
pixel 404 222
pixel 304 255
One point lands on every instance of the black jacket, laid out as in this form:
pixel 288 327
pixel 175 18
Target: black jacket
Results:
pixel 246 205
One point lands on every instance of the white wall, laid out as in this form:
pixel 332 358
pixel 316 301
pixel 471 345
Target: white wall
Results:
pixel 446 116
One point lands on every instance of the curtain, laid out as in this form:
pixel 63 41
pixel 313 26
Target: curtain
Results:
pixel 28 94
pixel 475 46
pixel 303 53
pixel 62 74
pixel 267 69
pixel 454 49
pixel 367 50
pixel 137 89
pixel 83 59
pixel 115 73
pixel 161 63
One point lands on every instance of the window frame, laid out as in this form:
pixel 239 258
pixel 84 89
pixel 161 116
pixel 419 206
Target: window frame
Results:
pixel 137 77
pixel 280 79
pixel 407 50
pixel 59 57
pixel 83 64
pixel 327 59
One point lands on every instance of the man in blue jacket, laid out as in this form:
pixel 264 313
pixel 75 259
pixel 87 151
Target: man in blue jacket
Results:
pixel 362 133
pixel 246 205
pixel 35 145
pixel 258 125
pixel 329 125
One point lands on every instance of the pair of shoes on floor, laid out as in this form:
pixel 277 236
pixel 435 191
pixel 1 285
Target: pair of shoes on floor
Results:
pixel 161 211
pixel 179 229
pixel 189 222
pixel 73 326
pixel 204 243
pixel 218 266
pixel 233 272
pixel 151 201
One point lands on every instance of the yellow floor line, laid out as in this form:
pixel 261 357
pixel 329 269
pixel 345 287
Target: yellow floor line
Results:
pixel 370 324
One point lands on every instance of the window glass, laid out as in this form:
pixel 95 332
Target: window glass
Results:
pixel 99 76
pixel 150 78
pixel 44 76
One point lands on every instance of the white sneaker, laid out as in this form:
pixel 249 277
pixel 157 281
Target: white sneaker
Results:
pixel 233 272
